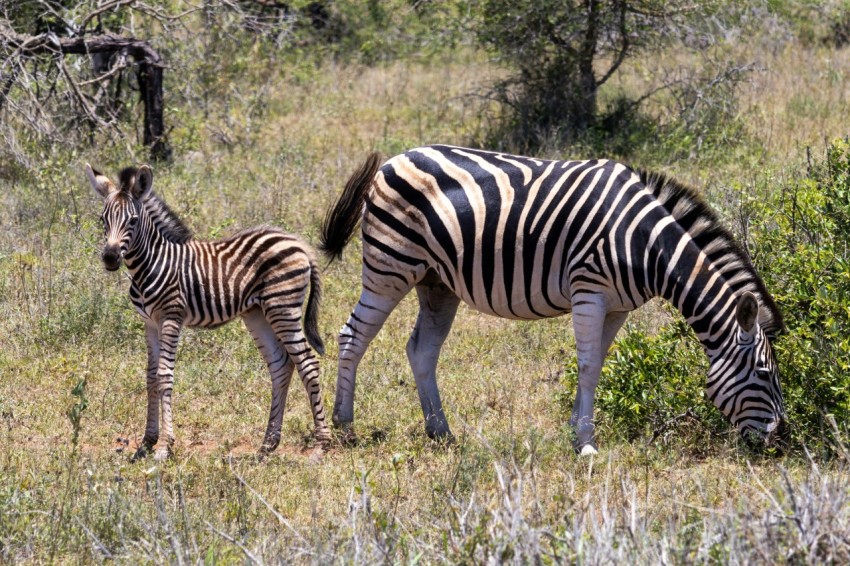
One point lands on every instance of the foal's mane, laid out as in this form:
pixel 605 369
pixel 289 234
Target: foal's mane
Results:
pixel 166 220
pixel 702 223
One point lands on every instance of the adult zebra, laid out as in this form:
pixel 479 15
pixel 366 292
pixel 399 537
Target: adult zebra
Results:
pixel 261 274
pixel 526 238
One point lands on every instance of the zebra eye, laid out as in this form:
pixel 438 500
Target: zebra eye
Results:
pixel 762 374
pixel 133 220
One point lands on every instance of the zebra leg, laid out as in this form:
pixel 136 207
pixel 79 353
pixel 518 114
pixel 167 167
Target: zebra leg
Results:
pixel 437 309
pixel 152 423
pixel 286 323
pixel 363 325
pixel 169 336
pixel 280 367
pixel 588 320
pixel 613 322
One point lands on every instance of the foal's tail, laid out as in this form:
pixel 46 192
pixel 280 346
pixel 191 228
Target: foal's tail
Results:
pixel 342 218
pixel 311 318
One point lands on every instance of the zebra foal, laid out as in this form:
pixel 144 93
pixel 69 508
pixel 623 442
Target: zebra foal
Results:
pixel 260 274
pixel 525 238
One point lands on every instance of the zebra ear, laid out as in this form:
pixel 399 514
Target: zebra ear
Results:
pixel 144 182
pixel 747 312
pixel 99 182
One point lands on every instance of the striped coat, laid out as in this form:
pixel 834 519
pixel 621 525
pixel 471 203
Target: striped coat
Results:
pixel 265 276
pixel 525 238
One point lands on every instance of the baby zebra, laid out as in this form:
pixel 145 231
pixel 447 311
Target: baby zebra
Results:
pixel 261 274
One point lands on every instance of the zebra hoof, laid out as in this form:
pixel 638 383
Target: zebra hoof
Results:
pixel 141 453
pixel 346 435
pixel 323 437
pixel 588 450
pixel 162 454
pixel 270 444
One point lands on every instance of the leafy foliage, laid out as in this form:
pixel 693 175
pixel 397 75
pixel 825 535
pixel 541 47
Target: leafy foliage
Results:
pixel 801 244
pixel 553 46
pixel 562 52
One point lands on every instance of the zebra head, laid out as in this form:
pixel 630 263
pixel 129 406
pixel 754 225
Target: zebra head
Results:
pixel 743 380
pixel 121 209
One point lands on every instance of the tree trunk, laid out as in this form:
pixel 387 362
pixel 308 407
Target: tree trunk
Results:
pixel 585 110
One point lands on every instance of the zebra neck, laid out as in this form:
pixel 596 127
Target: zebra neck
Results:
pixel 702 289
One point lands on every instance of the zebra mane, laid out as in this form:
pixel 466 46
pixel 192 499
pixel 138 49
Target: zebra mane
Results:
pixel 166 220
pixel 693 214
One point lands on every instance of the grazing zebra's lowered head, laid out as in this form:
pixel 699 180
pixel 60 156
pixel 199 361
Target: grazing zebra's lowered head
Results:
pixel 735 320
pixel 743 378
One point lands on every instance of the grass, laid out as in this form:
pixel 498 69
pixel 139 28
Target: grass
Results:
pixel 511 488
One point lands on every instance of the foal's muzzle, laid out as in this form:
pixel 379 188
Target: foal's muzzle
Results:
pixel 111 258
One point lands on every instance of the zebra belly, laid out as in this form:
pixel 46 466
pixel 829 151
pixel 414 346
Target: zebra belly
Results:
pixel 517 311
pixel 534 304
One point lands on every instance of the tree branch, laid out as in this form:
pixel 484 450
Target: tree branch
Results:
pixel 105 8
pixel 150 70
pixel 624 48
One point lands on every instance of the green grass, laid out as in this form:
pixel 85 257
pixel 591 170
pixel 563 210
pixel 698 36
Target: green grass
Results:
pixel 510 490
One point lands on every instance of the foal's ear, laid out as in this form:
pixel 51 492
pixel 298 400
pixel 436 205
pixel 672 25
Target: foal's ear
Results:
pixel 747 312
pixel 144 182
pixel 99 182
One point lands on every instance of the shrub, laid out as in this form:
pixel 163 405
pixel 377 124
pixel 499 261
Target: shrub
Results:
pixel 800 240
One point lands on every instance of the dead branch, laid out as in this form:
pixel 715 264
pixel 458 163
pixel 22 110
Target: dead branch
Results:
pixel 149 74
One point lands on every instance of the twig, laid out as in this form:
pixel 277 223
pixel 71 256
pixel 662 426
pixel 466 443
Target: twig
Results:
pixel 666 425
pixel 111 72
pixel 99 545
pixel 163 519
pixel 105 8
pixel 79 95
pixel 248 554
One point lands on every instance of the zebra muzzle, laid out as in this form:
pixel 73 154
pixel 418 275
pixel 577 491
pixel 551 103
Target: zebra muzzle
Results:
pixel 111 258
pixel 780 437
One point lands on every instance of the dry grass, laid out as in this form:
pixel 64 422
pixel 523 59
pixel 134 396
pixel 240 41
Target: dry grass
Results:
pixel 511 489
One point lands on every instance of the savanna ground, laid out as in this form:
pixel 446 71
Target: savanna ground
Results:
pixel 274 143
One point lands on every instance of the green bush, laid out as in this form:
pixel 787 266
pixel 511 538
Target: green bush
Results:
pixel 800 245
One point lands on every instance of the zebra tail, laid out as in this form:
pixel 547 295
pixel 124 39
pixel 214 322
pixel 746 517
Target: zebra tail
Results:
pixel 344 216
pixel 311 318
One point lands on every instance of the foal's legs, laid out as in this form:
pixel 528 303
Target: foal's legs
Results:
pixel 280 367
pixel 286 322
pixel 152 422
pixel 169 336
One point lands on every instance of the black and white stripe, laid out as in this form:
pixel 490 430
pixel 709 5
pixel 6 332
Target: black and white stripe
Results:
pixel 526 238
pixel 265 276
